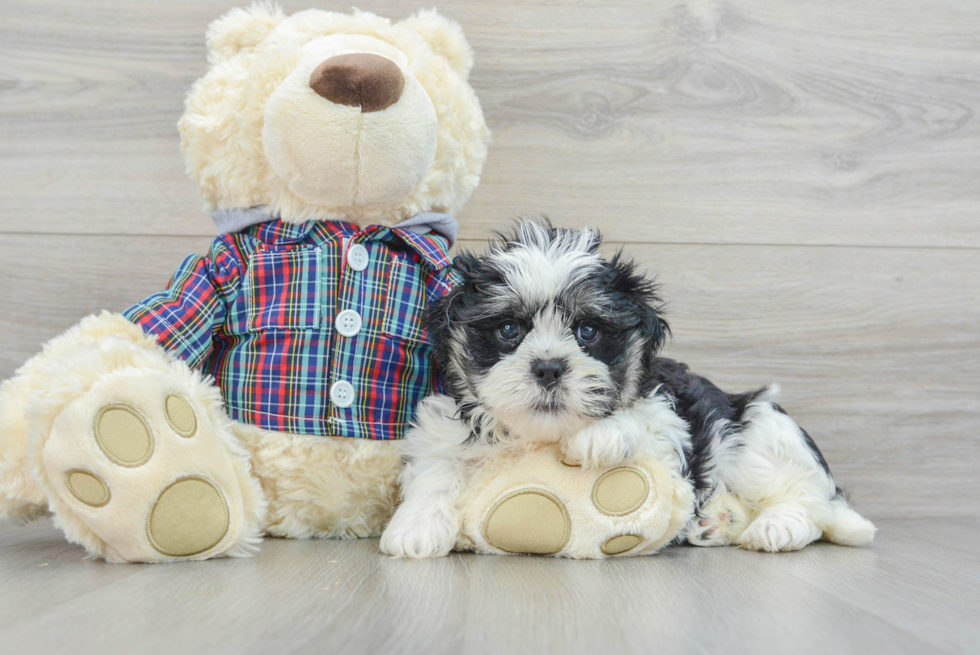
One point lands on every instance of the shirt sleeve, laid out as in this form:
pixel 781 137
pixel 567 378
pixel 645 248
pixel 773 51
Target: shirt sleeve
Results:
pixel 185 317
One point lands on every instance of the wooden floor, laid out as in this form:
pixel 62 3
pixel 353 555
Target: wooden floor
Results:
pixel 913 591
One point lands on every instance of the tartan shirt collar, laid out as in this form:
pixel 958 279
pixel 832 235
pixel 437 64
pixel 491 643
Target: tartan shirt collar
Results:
pixel 429 234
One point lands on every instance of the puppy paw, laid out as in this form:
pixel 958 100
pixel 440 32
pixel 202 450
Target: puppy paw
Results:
pixel 419 534
pixel 722 521
pixel 780 528
pixel 602 444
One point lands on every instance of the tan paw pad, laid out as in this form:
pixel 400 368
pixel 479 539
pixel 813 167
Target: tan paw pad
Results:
pixel 621 544
pixel 180 416
pixel 190 517
pixel 87 487
pixel 529 521
pixel 123 435
pixel 620 491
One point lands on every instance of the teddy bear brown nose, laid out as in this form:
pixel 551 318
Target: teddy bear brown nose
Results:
pixel 362 79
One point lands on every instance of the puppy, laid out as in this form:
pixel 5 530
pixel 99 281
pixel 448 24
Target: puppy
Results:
pixel 547 341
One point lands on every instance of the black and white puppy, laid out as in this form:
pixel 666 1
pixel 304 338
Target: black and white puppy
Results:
pixel 547 341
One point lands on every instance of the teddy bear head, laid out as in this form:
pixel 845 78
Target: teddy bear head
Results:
pixel 324 115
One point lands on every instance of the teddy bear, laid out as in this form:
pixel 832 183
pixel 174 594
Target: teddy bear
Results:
pixel 264 391
pixel 529 503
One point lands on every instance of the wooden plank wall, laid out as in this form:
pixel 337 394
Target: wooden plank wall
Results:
pixel 804 177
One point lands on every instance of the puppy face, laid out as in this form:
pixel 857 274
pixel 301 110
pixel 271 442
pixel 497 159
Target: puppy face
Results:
pixel 544 336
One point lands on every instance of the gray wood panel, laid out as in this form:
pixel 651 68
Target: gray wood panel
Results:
pixel 912 591
pixel 877 349
pixel 661 121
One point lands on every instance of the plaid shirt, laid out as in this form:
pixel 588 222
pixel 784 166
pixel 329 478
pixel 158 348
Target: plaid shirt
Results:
pixel 258 314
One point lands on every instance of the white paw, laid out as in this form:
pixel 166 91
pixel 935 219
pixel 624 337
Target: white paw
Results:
pixel 419 534
pixel 780 528
pixel 602 444
pixel 722 521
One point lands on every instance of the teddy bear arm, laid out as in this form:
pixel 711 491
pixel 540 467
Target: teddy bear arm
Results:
pixel 72 362
pixel 185 316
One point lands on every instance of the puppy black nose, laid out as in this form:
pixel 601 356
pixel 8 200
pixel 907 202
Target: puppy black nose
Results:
pixel 548 372
pixel 361 79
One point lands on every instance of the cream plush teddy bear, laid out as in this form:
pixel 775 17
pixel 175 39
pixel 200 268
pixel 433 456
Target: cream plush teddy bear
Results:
pixel 264 391
pixel 536 503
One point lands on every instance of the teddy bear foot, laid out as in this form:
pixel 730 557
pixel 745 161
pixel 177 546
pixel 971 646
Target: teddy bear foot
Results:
pixel 536 521
pixel 139 470
pixel 564 510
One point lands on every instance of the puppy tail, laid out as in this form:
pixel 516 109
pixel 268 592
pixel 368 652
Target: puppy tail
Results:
pixel 847 527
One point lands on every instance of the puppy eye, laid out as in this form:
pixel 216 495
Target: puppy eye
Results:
pixel 586 332
pixel 509 331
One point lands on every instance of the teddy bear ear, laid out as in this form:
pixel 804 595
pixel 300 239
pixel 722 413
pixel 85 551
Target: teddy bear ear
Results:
pixel 241 28
pixel 445 37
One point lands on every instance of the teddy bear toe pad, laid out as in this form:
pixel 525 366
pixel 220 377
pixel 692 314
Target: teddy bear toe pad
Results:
pixel 621 544
pixel 123 435
pixel 180 416
pixel 138 463
pixel 87 488
pixel 620 491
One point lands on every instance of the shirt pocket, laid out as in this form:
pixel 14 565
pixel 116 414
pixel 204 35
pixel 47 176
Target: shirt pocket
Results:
pixel 283 289
pixel 406 301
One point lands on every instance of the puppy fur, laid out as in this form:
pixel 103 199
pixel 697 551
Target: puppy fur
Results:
pixel 546 340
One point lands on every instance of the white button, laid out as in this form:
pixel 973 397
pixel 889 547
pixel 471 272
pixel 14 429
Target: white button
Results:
pixel 348 322
pixel 357 257
pixel 342 393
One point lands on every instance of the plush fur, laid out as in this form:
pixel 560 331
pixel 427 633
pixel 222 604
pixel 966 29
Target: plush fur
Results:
pixel 323 486
pixel 253 134
pixel 547 342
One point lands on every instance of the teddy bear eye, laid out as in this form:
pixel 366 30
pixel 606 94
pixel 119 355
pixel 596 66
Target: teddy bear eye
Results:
pixel 587 332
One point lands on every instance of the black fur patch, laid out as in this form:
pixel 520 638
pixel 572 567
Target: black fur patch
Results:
pixel 702 405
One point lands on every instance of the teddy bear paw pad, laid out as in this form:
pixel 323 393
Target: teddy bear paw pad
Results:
pixel 620 491
pixel 123 436
pixel 140 464
pixel 190 517
pixel 531 521
pixel 621 544
pixel 87 488
pixel 180 416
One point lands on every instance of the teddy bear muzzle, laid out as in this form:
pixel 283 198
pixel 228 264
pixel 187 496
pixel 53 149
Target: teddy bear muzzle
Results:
pixel 362 79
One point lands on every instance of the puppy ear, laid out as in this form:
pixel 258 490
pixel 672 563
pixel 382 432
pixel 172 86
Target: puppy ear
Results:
pixel 445 37
pixel 466 265
pixel 444 314
pixel 655 328
pixel 643 293
pixel 241 28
